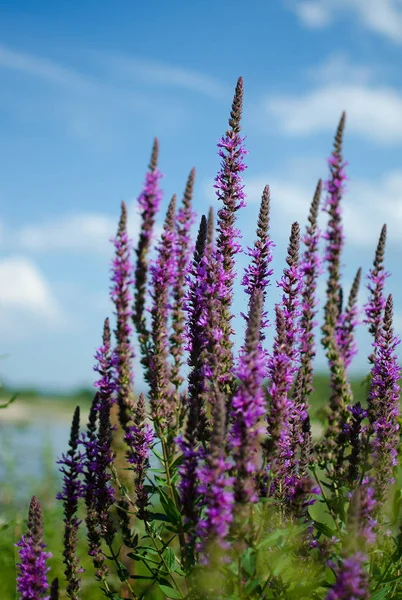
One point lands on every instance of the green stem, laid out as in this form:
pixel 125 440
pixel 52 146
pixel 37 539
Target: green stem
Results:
pixel 126 581
pixel 159 551
pixel 331 512
pixel 182 541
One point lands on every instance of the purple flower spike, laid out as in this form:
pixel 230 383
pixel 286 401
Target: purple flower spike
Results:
pixel 148 202
pixel 331 450
pixel 230 191
pixel 215 486
pixel 281 373
pixel 157 365
pixel 334 234
pixel 383 405
pixel 285 415
pixel 54 589
pixel 32 577
pixel 90 442
pixel 248 405
pixel 347 323
pixel 195 427
pixel 139 438
pixel 257 274
pixel 310 267
pixel 72 467
pixel 351 579
pixel 99 492
pixel 183 250
pixel 354 430
pixel 229 186
pixel 292 285
pixel 368 506
pixel 376 303
pixel 122 280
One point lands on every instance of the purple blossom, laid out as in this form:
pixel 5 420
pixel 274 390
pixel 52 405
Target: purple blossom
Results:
pixel 347 323
pixel 292 285
pixel 215 485
pixel 90 442
pixel 280 373
pixel 354 431
pixel 230 191
pixel 310 267
pixel 248 405
pixel 73 489
pixel 157 365
pixel 99 492
pixel 334 234
pixel 351 579
pixel 195 306
pixel 368 507
pixel 106 361
pixel 32 581
pixel 331 450
pixel 257 275
pixel 206 330
pixel 139 438
pixel 148 202
pixel 54 589
pixel 285 416
pixel 122 280
pixel 229 186
pixel 376 284
pixel 383 404
pixel 218 499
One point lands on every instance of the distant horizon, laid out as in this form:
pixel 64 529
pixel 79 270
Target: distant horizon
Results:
pixel 87 389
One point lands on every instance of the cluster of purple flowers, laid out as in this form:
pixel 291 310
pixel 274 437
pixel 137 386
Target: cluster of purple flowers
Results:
pixel 232 434
pixel 32 581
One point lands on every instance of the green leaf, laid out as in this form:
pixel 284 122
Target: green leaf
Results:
pixel 122 572
pixel 249 562
pixel 170 508
pixel 12 399
pixel 252 586
pixel 177 569
pixel 380 594
pixel 177 462
pixel 324 529
pixel 169 558
pixel 170 592
pixel 158 517
pixel 157 454
pixel 396 504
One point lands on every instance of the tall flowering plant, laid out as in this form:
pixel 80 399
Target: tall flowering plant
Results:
pixel 231 490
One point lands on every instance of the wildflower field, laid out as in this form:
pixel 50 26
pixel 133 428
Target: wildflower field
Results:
pixel 232 477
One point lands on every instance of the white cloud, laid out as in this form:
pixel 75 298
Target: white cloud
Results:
pixel 363 214
pixel 374 113
pixel 26 298
pixel 80 232
pixel 146 71
pixel 383 17
pixel 91 108
pixel 338 68
pixel 161 74
pixel 43 68
pixel 313 14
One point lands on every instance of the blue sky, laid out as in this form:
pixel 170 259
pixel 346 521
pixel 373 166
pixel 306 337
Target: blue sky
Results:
pixel 85 88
